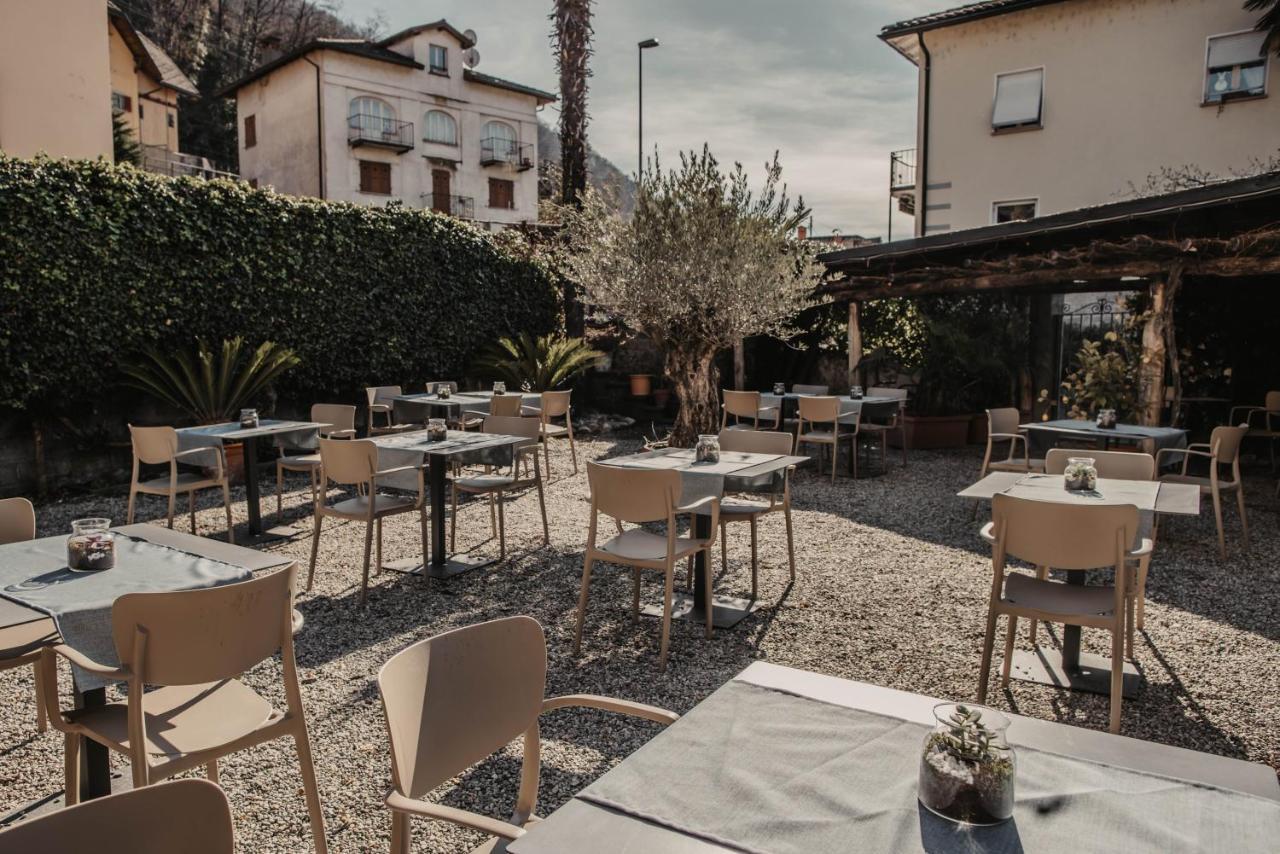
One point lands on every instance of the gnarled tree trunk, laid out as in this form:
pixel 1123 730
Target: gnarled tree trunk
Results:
pixel 697 380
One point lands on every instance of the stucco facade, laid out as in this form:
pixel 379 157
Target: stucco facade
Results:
pixel 1123 96
pixel 295 130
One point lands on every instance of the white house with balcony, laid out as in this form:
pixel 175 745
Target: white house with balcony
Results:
pixel 407 117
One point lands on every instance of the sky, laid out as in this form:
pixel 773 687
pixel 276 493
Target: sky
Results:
pixel 748 77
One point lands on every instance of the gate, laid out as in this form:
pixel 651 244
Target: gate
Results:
pixel 1073 328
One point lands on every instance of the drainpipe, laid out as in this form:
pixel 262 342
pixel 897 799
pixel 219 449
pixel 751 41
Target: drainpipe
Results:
pixel 319 125
pixel 922 169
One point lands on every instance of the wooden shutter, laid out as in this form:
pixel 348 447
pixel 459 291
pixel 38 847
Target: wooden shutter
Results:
pixel 375 177
pixel 502 193
pixel 441 180
pixel 250 131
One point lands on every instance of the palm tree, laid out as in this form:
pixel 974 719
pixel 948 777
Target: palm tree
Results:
pixel 572 41
pixel 1268 23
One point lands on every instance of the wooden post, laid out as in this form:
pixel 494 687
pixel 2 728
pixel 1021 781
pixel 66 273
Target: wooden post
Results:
pixel 855 342
pixel 1156 337
pixel 739 365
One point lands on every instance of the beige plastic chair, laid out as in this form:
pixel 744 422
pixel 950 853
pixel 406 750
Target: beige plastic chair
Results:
pixel 819 390
pixel 178 817
pixel 750 511
pixel 20 645
pixel 895 424
pixel 556 404
pixel 158 446
pixel 342 421
pixel 1262 421
pixel 380 403
pixel 496 484
pixel 191 647
pixel 1067 537
pixel 1002 426
pixel 355 463
pixel 640 496
pixel 457 698
pixel 820 423
pixel 748 404
pixel 1222 449
pixel 462 421
pixel 507 405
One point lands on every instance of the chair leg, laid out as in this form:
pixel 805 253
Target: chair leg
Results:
pixel 1217 512
pixel 377 565
pixel 582 604
pixel 724 551
pixel 191 511
pixel 573 451
pixel 226 504
pixel 502 528
pixel 542 508
pixel 401 836
pixel 1130 606
pixel 1117 676
pixel 133 496
pixel 987 644
pixel 211 770
pixel 1008 650
pixel 1244 519
pixel 42 717
pixel 668 586
pixel 71 769
pixel 835 455
pixel 755 566
pixel 1139 617
pixel 310 789
pixel 688 572
pixel 315 548
pixel 279 489
pixel 635 594
pixel 791 545
pixel 709 601
pixel 453 519
pixel 1042 573
pixel 173 497
pixel 546 453
pixel 493 518
pixel 368 547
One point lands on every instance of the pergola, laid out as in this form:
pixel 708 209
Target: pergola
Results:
pixel 1228 230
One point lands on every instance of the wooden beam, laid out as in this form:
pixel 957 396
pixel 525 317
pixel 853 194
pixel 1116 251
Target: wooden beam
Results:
pixel 855 342
pixel 1156 337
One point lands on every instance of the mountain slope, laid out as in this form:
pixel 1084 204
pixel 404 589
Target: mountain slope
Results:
pixel 604 176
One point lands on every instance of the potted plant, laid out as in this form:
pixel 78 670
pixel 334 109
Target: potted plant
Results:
pixel 967 769
pixel 538 363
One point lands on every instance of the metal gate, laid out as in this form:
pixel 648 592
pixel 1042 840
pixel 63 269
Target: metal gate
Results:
pixel 1088 322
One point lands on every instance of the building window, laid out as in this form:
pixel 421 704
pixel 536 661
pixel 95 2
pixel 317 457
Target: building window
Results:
pixel 502 193
pixel 121 103
pixel 1013 211
pixel 1236 67
pixel 1019 98
pixel 439 59
pixel 440 127
pixel 250 131
pixel 372 114
pixel 499 141
pixel 173 122
pixel 375 177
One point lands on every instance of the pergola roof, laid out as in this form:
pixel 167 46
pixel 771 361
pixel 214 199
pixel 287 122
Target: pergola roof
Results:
pixel 1225 229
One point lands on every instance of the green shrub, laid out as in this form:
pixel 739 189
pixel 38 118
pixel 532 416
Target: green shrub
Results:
pixel 99 263
pixel 543 363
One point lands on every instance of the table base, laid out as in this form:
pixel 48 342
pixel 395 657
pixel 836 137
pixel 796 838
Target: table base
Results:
pixel 1044 666
pixel 455 565
pixel 726 611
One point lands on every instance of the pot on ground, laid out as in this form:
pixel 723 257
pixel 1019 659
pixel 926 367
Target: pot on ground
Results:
pixel 641 385
pixel 235 462
pixel 934 431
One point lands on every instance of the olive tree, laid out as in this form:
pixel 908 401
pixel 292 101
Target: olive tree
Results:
pixel 702 263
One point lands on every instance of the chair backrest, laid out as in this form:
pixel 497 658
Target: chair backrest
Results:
pixel 744 404
pixel 1224 443
pixel 1063 536
pixel 505 404
pixel 810 389
pixel 555 403
pixel 1272 401
pixel 1114 465
pixel 756 442
pixel 381 393
pixel 513 425
pixel 348 461
pixel 197 636
pixel 456 698
pixel 175 817
pixel 1003 420
pixel 885 391
pixel 434 387
pixel 153 445
pixel 631 494
pixel 823 410
pixel 17 520
pixel 341 416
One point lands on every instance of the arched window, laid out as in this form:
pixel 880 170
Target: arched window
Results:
pixel 371 114
pixel 440 127
pixel 499 140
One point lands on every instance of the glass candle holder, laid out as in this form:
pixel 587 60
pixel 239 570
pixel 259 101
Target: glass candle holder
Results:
pixel 707 450
pixel 1106 419
pixel 1080 475
pixel 499 388
pixel 91 546
pixel 436 430
pixel 967 768
pixel 856 392
pixel 779 388
pixel 443 391
pixel 248 418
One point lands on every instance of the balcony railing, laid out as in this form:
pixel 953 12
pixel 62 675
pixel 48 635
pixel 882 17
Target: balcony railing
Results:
pixel 158 159
pixel 463 207
pixel 902 170
pixel 380 131
pixel 497 150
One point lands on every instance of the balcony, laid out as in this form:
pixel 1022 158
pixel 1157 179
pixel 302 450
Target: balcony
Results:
pixel 463 207
pixel 159 159
pixel 495 150
pixel 902 178
pixel 380 131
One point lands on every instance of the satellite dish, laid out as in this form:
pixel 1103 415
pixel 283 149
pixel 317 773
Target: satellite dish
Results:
pixel 470 35
pixel 471 57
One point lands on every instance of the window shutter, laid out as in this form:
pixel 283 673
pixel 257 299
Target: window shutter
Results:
pixel 501 193
pixel 1240 49
pixel 1018 98
pixel 250 131
pixel 375 177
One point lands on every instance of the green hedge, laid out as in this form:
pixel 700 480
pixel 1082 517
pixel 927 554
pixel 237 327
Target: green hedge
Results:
pixel 98 262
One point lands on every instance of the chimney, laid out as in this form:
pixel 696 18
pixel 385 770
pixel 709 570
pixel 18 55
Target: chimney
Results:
pixel 801 232
pixel 269 48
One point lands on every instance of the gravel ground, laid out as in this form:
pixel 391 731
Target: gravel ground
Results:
pixel 891 589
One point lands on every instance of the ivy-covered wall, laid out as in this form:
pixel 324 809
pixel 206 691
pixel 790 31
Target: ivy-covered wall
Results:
pixel 98 262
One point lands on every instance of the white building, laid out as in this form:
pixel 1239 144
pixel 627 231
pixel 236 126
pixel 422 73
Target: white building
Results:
pixel 402 118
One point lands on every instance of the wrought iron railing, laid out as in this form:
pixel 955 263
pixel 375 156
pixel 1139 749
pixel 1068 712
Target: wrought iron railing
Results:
pixel 496 149
pixel 159 159
pixel 463 207
pixel 365 129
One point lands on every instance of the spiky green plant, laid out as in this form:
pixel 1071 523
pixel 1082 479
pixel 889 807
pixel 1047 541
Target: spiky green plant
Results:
pixel 543 363
pixel 210 385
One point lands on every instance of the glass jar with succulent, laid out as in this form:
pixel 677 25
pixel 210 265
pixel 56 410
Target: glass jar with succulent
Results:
pixel 91 547
pixel 1080 475
pixel 967 768
pixel 708 449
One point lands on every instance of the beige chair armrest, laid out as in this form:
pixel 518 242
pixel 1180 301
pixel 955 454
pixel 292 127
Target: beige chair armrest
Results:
pixel 1187 451
pixel 474 413
pixel 1008 436
pixel 84 662
pixel 611 704
pixel 191 452
pixel 396 470
pixel 710 501
pixel 453 815
pixel 988 532
pixel 1144 548
pixel 1249 412
pixel 340 434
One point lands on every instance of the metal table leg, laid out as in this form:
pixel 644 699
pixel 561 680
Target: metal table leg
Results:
pixel 442 565
pixel 726 611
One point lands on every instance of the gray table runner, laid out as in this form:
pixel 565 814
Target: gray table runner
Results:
pixel 1045 435
pixel 214 435
pixel 34 573
pixel 412 449
pixel 759 770
pixel 417 408
pixel 879 408
pixel 697 480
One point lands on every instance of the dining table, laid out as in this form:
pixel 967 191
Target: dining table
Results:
pixel 417 408
pixel 734 472
pixel 788 761
pixel 1071 667
pixel 867 406
pixel 288 434
pixel 1043 435
pixel 459 447
pixel 46 603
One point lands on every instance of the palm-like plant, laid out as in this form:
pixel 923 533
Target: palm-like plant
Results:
pixel 210 386
pixel 1268 23
pixel 543 363
pixel 572 41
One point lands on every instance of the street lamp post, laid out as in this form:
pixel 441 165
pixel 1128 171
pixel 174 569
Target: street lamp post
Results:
pixel 641 47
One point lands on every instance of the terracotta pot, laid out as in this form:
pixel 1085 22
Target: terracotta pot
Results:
pixel 641 384
pixel 936 431
pixel 235 462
